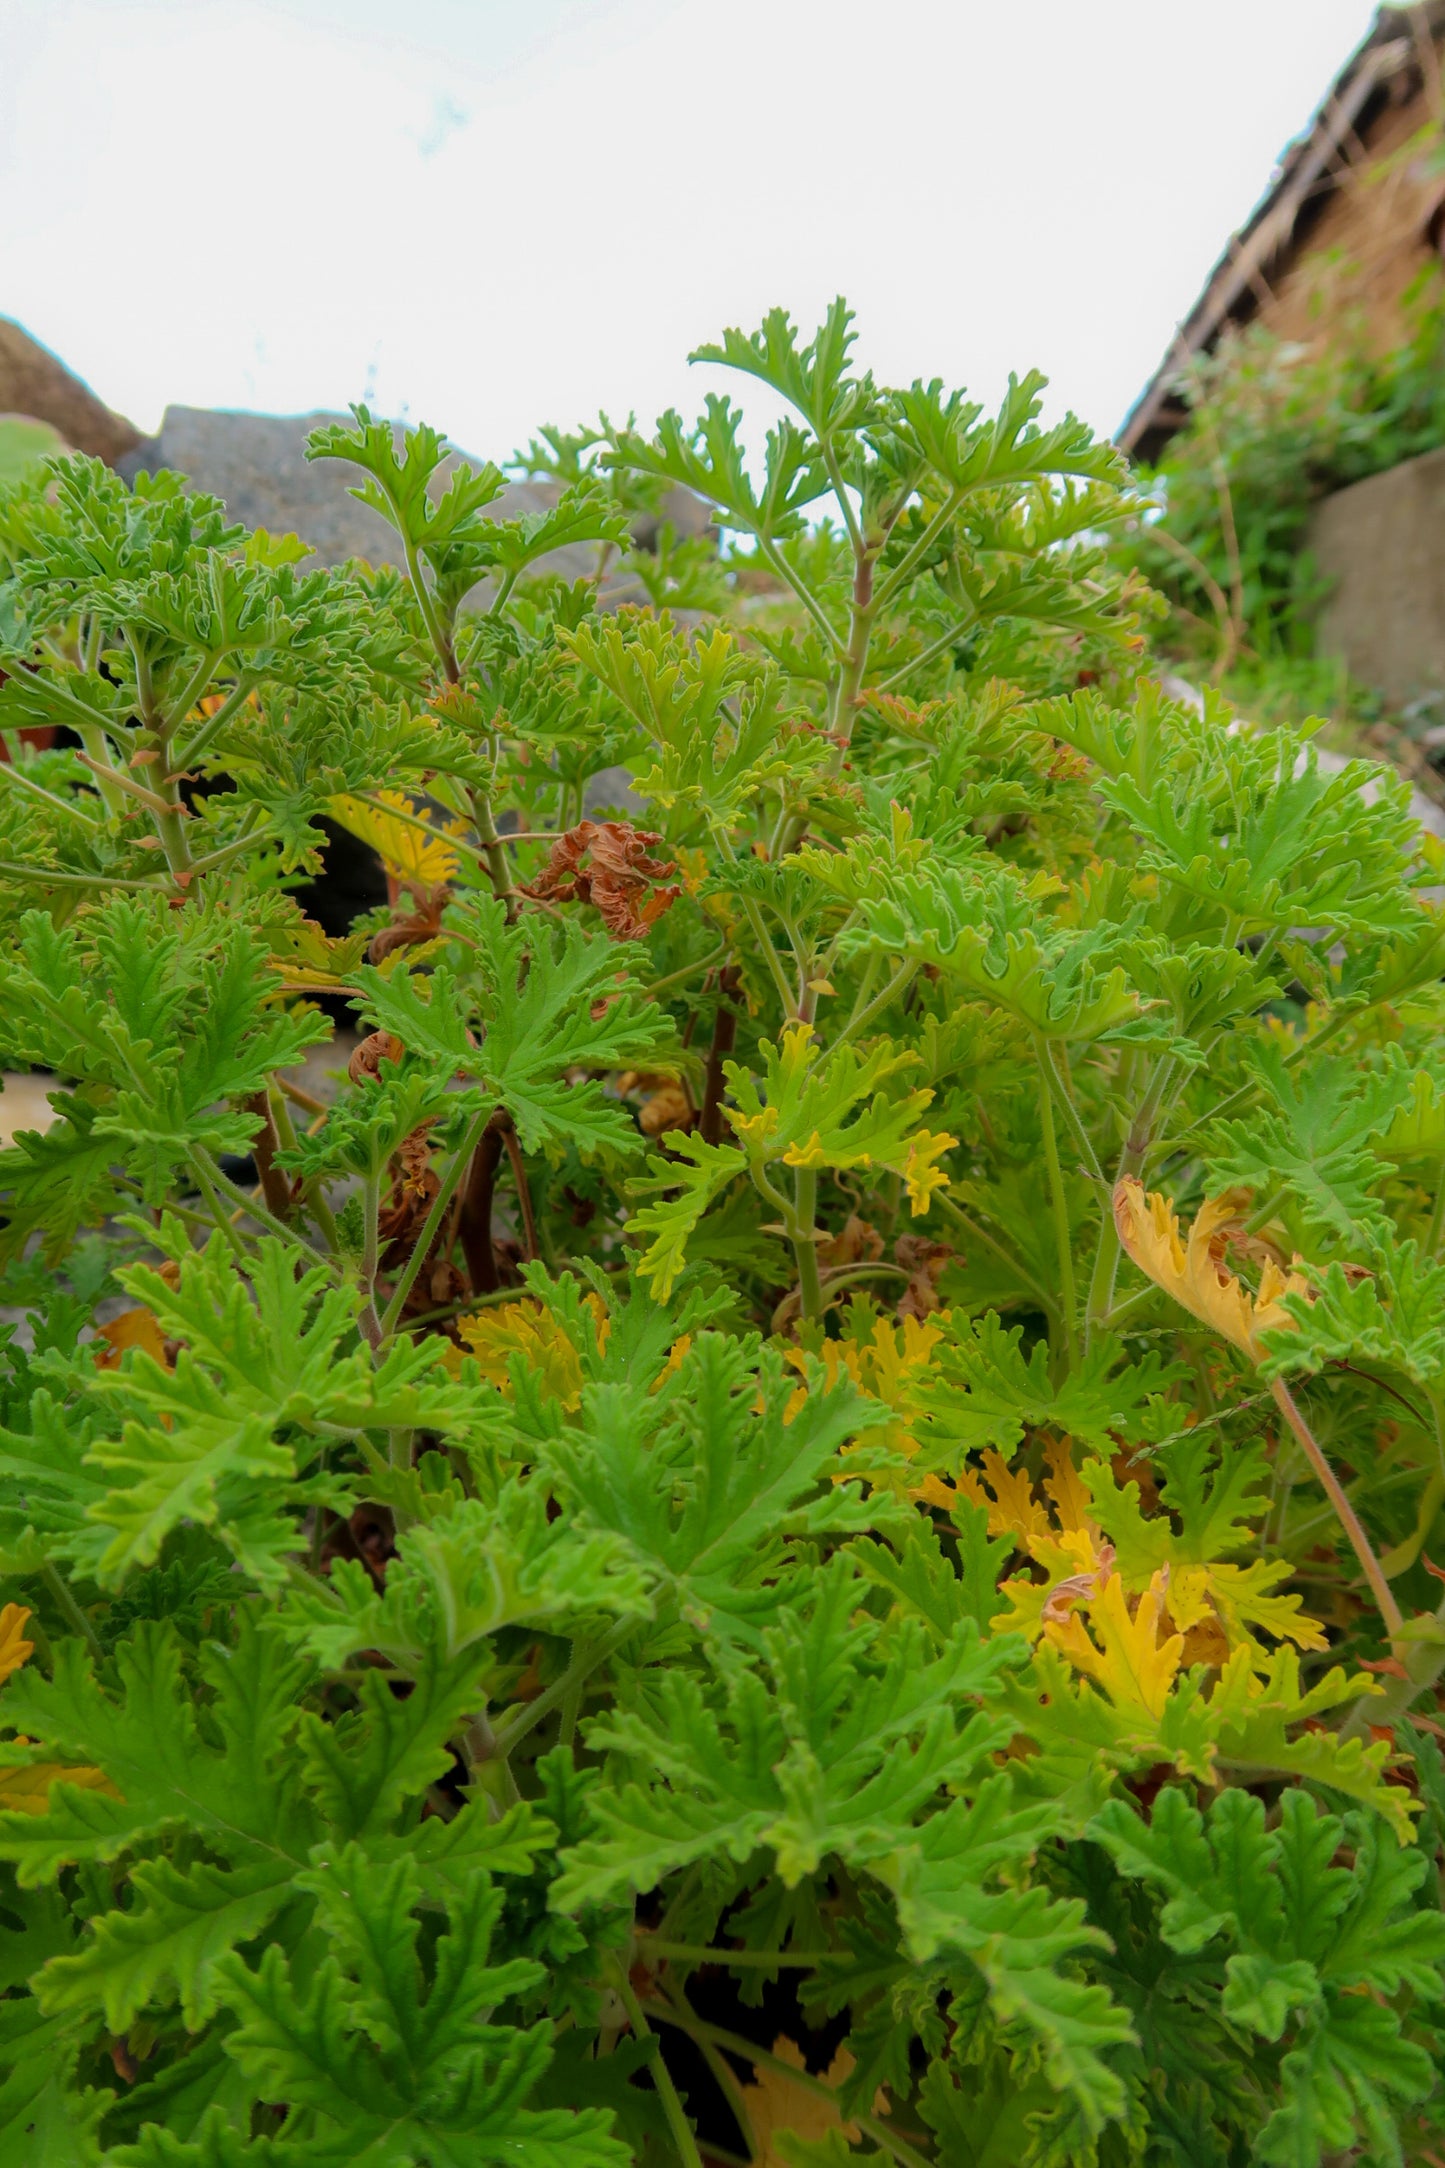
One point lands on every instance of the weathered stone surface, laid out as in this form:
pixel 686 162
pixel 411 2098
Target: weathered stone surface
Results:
pixel 1381 544
pixel 34 382
pixel 256 465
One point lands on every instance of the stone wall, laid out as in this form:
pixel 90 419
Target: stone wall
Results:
pixel 1381 546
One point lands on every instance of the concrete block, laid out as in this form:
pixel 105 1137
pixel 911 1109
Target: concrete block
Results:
pixel 1381 545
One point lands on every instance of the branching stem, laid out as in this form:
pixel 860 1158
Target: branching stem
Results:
pixel 1348 1519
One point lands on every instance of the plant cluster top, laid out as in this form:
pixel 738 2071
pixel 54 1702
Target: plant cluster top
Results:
pixel 795 1518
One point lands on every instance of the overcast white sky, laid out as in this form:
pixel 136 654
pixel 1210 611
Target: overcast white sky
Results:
pixel 492 213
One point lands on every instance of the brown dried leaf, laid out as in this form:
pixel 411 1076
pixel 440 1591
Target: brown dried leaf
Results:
pixel 924 1262
pixel 367 1058
pixel 607 863
pixel 856 1242
pixel 667 1108
pixel 409 928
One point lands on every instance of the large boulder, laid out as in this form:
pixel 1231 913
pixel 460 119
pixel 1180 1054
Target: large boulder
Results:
pixel 257 465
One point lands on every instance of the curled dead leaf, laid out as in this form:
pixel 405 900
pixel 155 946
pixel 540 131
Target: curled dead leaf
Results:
pixel 366 1059
pixel 409 928
pixel 924 1262
pixel 667 1108
pixel 608 863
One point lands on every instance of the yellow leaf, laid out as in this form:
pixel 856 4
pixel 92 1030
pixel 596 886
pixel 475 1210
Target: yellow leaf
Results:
pixel 14 1648
pixel 28 1790
pixel 676 1357
pixel 1071 1500
pixel 1127 1658
pixel 405 851
pixel 888 1362
pixel 1013 1508
pixel 1242 1600
pixel 524 1328
pixel 778 2104
pixel 1197 1276
pixel 921 1173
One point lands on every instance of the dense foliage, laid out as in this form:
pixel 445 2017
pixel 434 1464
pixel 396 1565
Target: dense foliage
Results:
pixel 697 1542
pixel 1273 427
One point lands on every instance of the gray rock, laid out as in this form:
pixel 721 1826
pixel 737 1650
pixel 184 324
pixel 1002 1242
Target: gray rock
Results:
pixel 1381 545
pixel 256 465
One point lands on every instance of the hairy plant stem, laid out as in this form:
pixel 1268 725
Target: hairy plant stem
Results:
pixel 208 1173
pixel 494 852
pixel 186 756
pixel 275 1186
pixel 460 1161
pixel 1422 1657
pixel 51 874
pixel 586 1659
pixel 805 1249
pixel 846 692
pixel 1047 1302
pixel 760 932
pixel 1131 1162
pixel 671 1991
pixel 485 1751
pixel 1345 1513
pixel 678 978
pixel 70 1610
pixel 724 1038
pixel 206 1182
pixel 12 772
pixel 1044 1054
pixel 677 2122
pixel 368 1323
pixel 109 780
pixel 1069 1307
pixel 524 1194
pixel 865 1013
pixel 474 1222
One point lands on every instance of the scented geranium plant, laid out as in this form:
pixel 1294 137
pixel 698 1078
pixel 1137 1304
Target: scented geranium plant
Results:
pixel 756 1478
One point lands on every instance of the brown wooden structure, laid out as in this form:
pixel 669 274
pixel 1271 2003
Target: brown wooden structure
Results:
pixel 1354 213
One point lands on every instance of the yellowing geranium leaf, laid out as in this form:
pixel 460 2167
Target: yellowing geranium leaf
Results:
pixel 777 2104
pixel 1123 1653
pixel 14 1648
pixel 1242 1597
pixel 819 1110
pixel 27 1790
pixel 885 1360
pixel 1062 1484
pixel 1012 1508
pixel 404 850
pixel 1197 1276
pixel 493 1337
